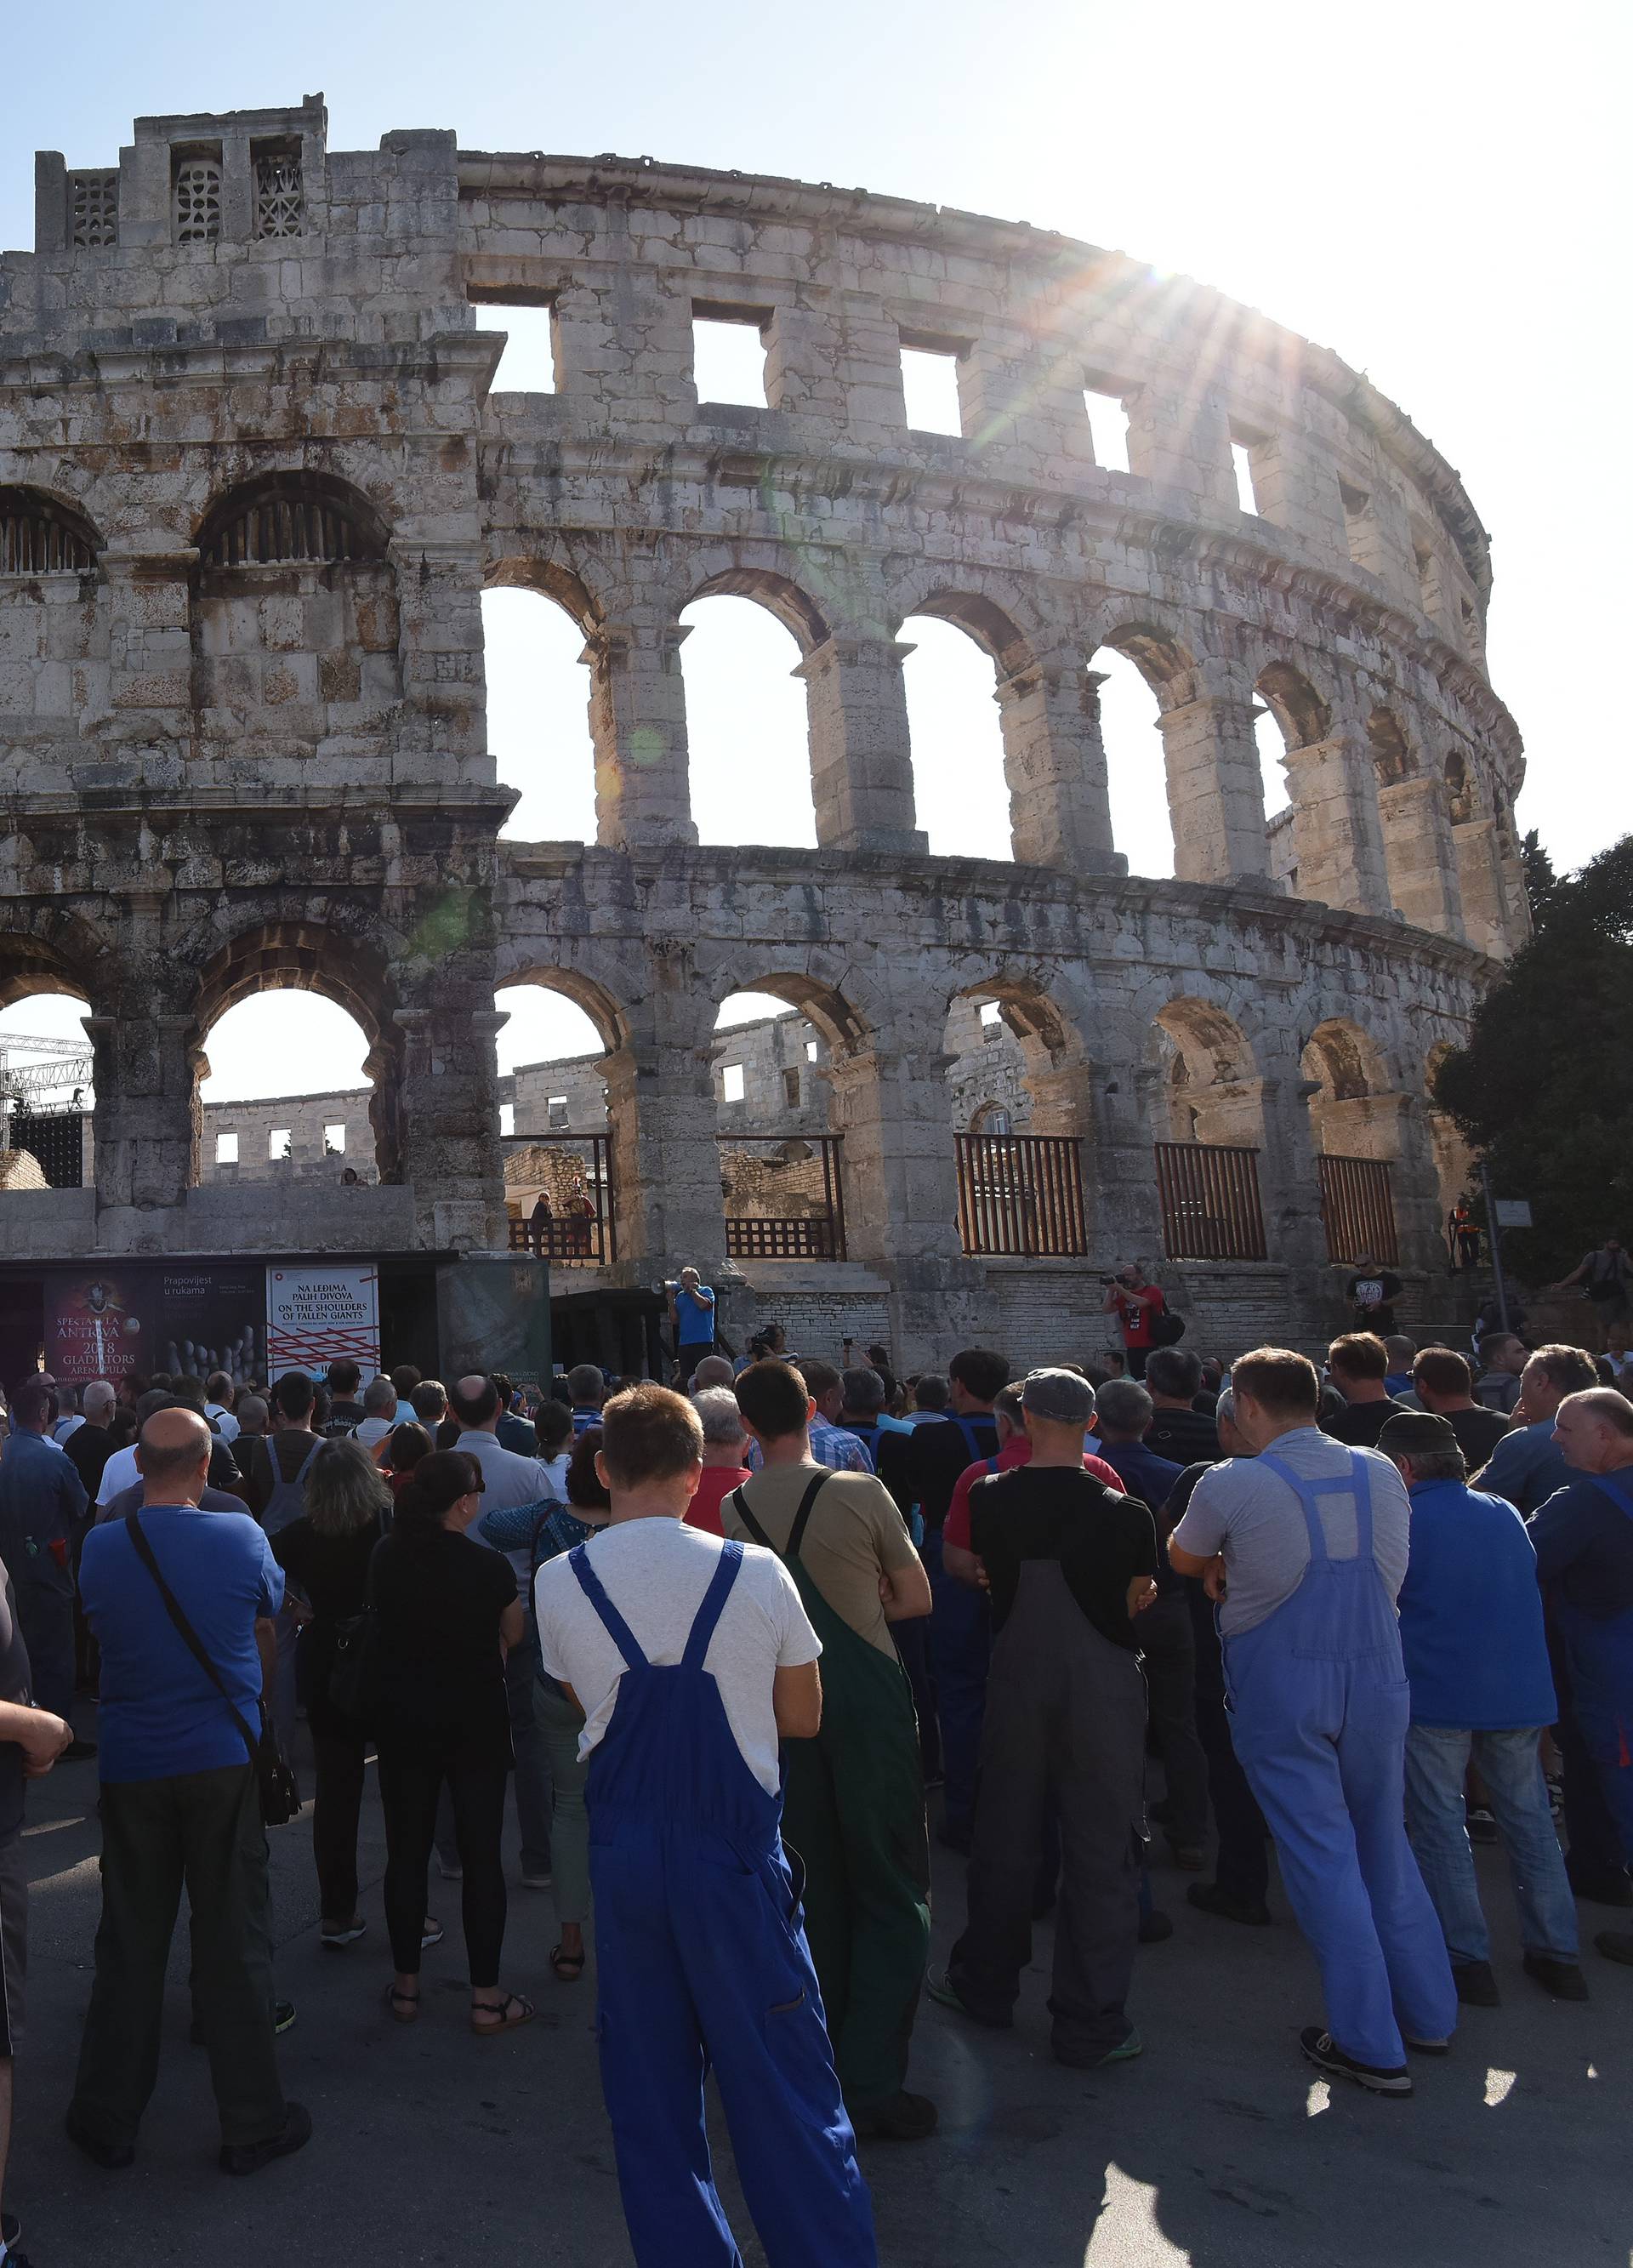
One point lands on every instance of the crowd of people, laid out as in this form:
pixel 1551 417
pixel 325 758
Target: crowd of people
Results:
pixel 736 1649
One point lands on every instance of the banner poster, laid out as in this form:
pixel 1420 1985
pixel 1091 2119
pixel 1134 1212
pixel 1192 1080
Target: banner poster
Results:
pixel 99 1323
pixel 212 1318
pixel 316 1315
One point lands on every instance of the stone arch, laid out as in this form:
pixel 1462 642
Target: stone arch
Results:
pixel 1453 1161
pixel 344 964
pixel 1015 1048
pixel 43 533
pixel 1420 862
pixel 1301 714
pixel 551 580
pixel 605 1011
pixel 288 518
pixel 1354 1105
pixel 720 650
pixel 1394 758
pixel 1148 794
pixel 532 657
pixel 778 593
pixel 979 806
pixel 1211 1092
pixel 826 1002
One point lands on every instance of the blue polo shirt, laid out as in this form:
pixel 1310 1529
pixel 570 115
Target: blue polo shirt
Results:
pixel 159 1715
pixel 1527 1465
pixel 1471 1614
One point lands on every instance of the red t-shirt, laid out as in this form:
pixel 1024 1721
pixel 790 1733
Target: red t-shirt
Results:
pixel 1016 1451
pixel 1137 1320
pixel 717 1484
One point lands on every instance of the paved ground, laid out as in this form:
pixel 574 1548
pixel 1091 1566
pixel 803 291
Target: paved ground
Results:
pixel 1217 2149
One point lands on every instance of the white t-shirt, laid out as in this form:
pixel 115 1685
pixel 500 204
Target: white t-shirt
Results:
pixel 118 1473
pixel 226 1424
pixel 655 1572
pixel 373 1431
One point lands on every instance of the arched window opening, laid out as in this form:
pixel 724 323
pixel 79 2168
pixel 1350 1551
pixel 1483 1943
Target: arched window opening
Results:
pixel 553 1124
pixel 1019 1083
pixel 288 517
pixel 781 1163
pixel 1137 774
pixel 41 536
pixel 288 1094
pixel 1348 1086
pixel 957 736
pixel 45 1094
pixel 538 715
pixel 1272 763
pixel 1210 1132
pixel 1392 755
pixel 747 726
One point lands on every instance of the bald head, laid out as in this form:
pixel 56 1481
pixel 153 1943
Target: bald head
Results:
pixel 475 1401
pixel 1595 1430
pixel 172 1456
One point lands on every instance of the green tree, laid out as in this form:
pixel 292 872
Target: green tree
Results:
pixel 1544 1089
pixel 1540 880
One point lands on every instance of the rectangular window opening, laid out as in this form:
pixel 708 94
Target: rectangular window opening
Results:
pixel 731 1082
pixel 1241 464
pixel 929 385
pixel 811 1050
pixel 556 1106
pixel 528 365
pixel 729 358
pixel 991 1016
pixel 280 1143
pixel 226 1149
pixel 507 1118
pixel 1108 430
pixel 791 1089
pixel 334 1141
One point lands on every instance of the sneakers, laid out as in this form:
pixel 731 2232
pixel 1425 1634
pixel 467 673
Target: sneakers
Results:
pixel 901 2117
pixel 1212 1898
pixel 945 1992
pixel 1125 2052
pixel 1427 2047
pixel 1321 2049
pixel 1599 1889
pixel 283 2015
pixel 1563 1980
pixel 113 2157
pixel 250 2157
pixel 1476 1985
pixel 1482 1826
pixel 538 1881
pixel 348 1933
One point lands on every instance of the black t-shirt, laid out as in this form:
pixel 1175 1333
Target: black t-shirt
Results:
pixel 1478 1432
pixel 923 1469
pixel 333 1570
pixel 436 1664
pixel 1358 1424
pixel 14 1686
pixel 1102 1540
pixel 1185 1437
pixel 88 1448
pixel 1381 1317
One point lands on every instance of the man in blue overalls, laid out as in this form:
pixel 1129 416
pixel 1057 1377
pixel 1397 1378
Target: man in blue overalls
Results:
pixel 1305 1545
pixel 690 1656
pixel 1583 1539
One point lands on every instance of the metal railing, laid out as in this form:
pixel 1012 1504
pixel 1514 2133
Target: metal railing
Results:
pixel 1357 1209
pixel 1022 1194
pixel 1209 1195
pixel 579 1229
pixel 809 1164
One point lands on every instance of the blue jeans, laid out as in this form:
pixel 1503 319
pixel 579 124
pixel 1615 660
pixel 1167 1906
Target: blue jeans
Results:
pixel 1436 1760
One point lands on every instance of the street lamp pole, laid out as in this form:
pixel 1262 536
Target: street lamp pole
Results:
pixel 1492 1232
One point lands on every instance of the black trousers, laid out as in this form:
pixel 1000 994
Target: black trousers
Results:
pixel 203 1828
pixel 1244 1865
pixel 413 1768
pixel 336 1806
pixel 1170 1649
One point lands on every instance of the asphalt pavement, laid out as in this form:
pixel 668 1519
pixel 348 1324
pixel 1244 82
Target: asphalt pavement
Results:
pixel 1219 2147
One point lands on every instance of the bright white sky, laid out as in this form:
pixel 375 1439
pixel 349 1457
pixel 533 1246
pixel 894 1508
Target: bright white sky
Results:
pixel 1439 191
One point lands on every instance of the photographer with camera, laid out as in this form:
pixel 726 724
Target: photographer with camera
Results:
pixel 1137 1303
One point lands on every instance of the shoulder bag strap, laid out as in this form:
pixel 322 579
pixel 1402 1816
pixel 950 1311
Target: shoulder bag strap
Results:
pixel 144 1551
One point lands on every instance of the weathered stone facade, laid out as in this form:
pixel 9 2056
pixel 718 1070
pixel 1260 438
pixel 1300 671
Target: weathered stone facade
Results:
pixel 254 480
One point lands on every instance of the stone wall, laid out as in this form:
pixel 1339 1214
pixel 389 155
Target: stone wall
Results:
pixel 254 477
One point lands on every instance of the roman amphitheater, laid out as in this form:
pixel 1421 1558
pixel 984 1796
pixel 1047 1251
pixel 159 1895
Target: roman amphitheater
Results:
pixel 254 480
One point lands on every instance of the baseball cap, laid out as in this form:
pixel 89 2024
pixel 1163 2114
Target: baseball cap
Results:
pixel 1058 1397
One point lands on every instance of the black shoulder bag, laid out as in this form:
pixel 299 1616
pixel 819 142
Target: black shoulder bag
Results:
pixel 279 1791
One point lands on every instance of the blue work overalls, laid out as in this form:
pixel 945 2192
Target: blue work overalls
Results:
pixel 960 1655
pixel 701 1962
pixel 1598 1652
pixel 1319 1706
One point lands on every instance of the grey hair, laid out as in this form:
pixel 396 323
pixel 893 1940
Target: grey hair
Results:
pixel 252 1410
pixel 862 1389
pixel 1124 1405
pixel 98 1395
pixel 345 1488
pixel 1437 1464
pixel 379 1397
pixel 717 1413
pixel 1225 1408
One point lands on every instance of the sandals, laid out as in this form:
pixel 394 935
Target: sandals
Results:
pixel 569 1967
pixel 405 2007
pixel 348 1933
pixel 431 1933
pixel 502 2012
